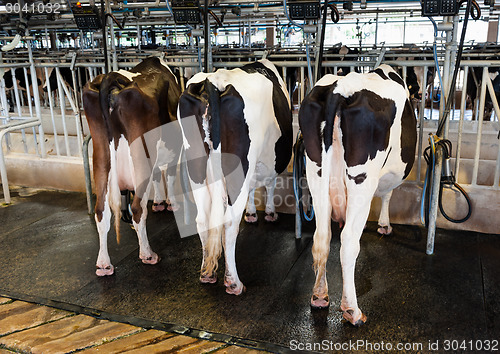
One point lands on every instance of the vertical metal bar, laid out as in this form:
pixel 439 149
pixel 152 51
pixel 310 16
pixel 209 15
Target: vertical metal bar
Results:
pixel 181 74
pixel 3 174
pixel 63 110
pixel 51 106
pixel 461 121
pixel 302 84
pixel 421 124
pixel 77 111
pixel 28 92
pixel 434 199
pixel 16 93
pixel 19 108
pixel 38 108
pixel 91 73
pixel 436 177
pixel 477 153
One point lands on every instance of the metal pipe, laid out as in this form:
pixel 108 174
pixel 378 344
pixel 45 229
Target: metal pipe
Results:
pixel 3 169
pixel 104 37
pixel 62 104
pixel 207 36
pixel 434 199
pixel 38 105
pixel 482 100
pixel 436 177
pixel 421 124
pixel 19 109
pixel 51 107
pixel 461 122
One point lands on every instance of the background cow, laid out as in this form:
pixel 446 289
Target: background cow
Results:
pixel 128 112
pixel 237 129
pixel 360 134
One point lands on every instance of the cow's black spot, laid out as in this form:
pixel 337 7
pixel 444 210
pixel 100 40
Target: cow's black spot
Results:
pixel 397 78
pixel 358 179
pixel 366 120
pixel 380 73
pixel 260 68
pixel 235 141
pixel 408 137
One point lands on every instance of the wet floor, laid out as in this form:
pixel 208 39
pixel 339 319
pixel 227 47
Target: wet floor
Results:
pixel 49 247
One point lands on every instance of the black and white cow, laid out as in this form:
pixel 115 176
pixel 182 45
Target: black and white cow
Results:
pixel 130 114
pixel 237 130
pixel 360 134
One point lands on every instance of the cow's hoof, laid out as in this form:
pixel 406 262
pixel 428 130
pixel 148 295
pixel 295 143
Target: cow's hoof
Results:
pixel 384 230
pixel 234 289
pixel 251 218
pixel 319 302
pixel 103 271
pixel 208 279
pixel 153 259
pixel 271 217
pixel 355 320
pixel 158 207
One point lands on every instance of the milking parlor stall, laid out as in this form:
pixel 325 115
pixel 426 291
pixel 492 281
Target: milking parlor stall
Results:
pixel 221 176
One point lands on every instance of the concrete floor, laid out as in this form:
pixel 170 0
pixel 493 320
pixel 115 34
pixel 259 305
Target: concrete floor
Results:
pixel 50 244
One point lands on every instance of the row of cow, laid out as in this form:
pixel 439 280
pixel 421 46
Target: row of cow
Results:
pixel 236 128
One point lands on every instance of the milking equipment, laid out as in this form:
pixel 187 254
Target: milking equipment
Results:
pixel 438 154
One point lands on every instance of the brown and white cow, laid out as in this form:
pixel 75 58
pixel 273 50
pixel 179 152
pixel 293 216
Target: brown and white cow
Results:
pixel 129 114
pixel 359 134
pixel 237 130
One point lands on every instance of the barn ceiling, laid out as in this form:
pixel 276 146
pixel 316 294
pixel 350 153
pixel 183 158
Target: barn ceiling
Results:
pixel 132 13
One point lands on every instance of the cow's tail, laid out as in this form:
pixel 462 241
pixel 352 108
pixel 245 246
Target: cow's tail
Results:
pixel 331 180
pixel 215 181
pixel 110 86
pixel 114 194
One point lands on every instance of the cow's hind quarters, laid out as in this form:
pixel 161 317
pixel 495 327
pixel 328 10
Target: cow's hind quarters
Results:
pixel 158 207
pixel 208 278
pixel 271 217
pixel 319 302
pixel 356 318
pixel 106 270
pixel 251 218
pixel 235 289
pixel 384 230
pixel 153 258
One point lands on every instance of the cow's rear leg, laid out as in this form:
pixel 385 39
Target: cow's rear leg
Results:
pixel 251 211
pixel 383 220
pixel 208 271
pixel 159 193
pixel 139 215
pixel 271 214
pixel 231 280
pixel 172 204
pixel 103 221
pixel 358 208
pixel 319 188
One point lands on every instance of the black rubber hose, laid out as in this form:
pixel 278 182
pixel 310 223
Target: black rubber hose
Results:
pixel 464 193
